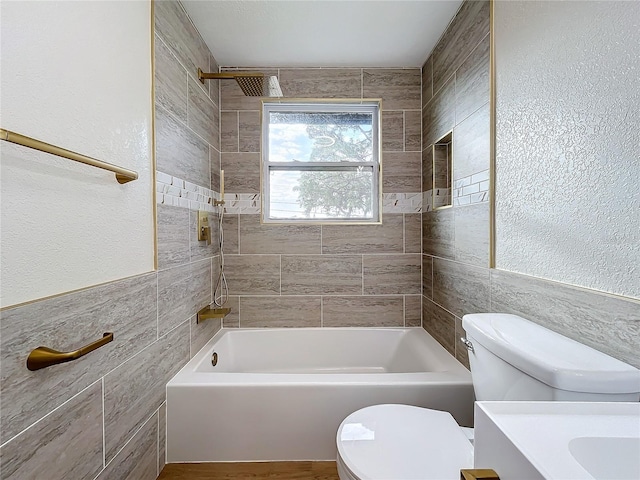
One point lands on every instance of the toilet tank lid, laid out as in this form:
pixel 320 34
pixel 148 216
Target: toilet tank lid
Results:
pixel 550 357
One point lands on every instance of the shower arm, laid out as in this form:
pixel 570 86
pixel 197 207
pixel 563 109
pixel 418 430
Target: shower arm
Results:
pixel 202 76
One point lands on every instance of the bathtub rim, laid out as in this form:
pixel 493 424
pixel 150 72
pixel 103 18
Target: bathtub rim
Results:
pixel 456 374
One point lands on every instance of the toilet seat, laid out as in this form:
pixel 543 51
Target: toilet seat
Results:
pixel 401 442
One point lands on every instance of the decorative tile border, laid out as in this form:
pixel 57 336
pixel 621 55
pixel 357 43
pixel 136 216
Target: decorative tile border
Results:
pixel 467 191
pixel 249 203
pixel 427 201
pixel 242 203
pixel 177 192
pixel 472 189
pixel 402 203
pixel 180 193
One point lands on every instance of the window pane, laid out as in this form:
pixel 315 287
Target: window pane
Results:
pixel 320 137
pixel 321 194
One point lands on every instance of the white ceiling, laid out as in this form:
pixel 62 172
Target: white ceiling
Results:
pixel 321 33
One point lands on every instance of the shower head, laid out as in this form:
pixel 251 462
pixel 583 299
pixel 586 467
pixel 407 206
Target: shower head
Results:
pixel 253 84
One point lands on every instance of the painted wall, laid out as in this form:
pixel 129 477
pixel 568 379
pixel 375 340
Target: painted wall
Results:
pixel 103 416
pixel 455 240
pixel 329 275
pixel 76 75
pixel 568 143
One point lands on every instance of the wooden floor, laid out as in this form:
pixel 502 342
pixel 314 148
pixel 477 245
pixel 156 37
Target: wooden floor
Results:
pixel 257 471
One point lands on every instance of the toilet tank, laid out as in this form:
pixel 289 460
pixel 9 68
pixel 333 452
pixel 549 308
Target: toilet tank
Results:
pixel 512 358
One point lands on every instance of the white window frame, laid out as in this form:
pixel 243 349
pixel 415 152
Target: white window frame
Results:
pixel 320 106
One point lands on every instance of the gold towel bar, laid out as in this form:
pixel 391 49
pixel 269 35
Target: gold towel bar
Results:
pixel 208 312
pixel 478 474
pixel 43 357
pixel 122 174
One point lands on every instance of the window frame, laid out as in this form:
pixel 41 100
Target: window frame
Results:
pixel 372 106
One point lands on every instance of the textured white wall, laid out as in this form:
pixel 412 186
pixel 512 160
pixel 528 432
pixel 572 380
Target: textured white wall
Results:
pixel 568 142
pixel 77 75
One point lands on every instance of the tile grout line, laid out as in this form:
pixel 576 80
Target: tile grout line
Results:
pixel 104 441
pixel 48 413
pixel 158 440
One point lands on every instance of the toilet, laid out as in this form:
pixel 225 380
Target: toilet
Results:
pixel 511 358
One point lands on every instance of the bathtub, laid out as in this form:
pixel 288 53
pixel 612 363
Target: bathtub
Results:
pixel 280 394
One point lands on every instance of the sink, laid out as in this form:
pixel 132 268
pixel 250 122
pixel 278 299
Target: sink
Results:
pixel 558 440
pixel 608 457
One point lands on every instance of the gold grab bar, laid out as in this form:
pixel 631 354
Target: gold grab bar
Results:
pixel 122 174
pixel 208 312
pixel 478 474
pixel 43 357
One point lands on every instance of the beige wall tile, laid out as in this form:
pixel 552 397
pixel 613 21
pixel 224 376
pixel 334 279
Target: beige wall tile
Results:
pixel 398 88
pixel 605 322
pixel 172 236
pixel 401 172
pixel 139 458
pixel 162 436
pixel 214 160
pixel 440 324
pixel 203 115
pixel 67 322
pixel 230 228
pixel 249 131
pixel 385 238
pixel 472 81
pixel 466 30
pixel 175 303
pixel 427 276
pixel 67 444
pixel 438 117
pixel 170 78
pixel 427 81
pixel 277 238
pixel 472 234
pixel 174 26
pixel 233 319
pixel 392 274
pixel 321 274
pixel 179 151
pixel 321 82
pixel 427 169
pixel 412 310
pixel 392 131
pixel 253 274
pixel 229 131
pixel 412 233
pixel 471 144
pixel 203 277
pixel 134 390
pixel 214 85
pixel 280 311
pixel 362 311
pixel 438 233
pixel 241 172
pixel 460 288
pixel 413 130
pixel 201 273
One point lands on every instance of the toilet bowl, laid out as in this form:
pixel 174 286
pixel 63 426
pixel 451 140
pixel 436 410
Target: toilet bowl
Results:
pixel 511 359
pixel 401 442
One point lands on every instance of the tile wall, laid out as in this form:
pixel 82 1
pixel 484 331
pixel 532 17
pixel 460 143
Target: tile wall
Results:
pixel 456 277
pixel 103 416
pixel 329 275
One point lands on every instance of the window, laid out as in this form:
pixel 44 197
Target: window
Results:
pixel 320 162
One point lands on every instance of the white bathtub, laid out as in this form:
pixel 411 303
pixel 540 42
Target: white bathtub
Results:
pixel 280 394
